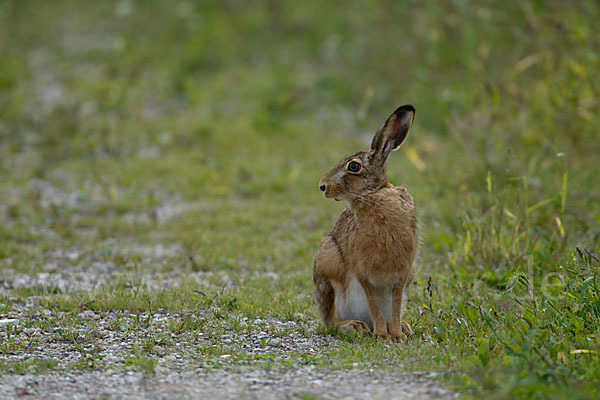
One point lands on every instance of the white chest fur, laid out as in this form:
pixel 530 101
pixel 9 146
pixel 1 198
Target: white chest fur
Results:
pixel 353 303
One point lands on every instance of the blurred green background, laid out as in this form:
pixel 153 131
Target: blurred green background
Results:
pixel 112 110
pixel 257 100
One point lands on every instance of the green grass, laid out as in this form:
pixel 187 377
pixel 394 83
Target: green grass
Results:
pixel 35 366
pixel 111 113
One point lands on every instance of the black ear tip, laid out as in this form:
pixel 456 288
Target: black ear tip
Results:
pixel 405 108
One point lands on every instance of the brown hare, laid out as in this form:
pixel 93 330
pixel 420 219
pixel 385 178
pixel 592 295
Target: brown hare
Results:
pixel 367 260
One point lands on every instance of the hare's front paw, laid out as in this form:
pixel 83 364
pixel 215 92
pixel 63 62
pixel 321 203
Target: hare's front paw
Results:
pixel 399 333
pixel 398 337
pixel 381 334
pixel 351 326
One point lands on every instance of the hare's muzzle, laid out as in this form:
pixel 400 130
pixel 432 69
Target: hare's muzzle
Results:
pixel 323 188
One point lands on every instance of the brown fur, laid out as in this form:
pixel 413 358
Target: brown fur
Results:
pixel 375 239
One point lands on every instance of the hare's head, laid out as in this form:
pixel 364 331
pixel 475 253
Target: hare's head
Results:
pixel 364 172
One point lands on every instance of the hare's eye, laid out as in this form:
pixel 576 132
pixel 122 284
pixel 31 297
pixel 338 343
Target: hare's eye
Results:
pixel 354 166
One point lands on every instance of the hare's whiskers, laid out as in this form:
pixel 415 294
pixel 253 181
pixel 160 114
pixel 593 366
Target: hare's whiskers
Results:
pixel 360 198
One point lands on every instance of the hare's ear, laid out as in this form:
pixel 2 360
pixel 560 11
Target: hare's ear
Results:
pixel 391 135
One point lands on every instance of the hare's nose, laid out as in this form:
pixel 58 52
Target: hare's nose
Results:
pixel 322 187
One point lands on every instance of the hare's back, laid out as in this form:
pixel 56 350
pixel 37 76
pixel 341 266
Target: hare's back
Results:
pixel 405 196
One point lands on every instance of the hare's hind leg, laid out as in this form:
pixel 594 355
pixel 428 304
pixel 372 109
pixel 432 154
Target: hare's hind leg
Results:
pixel 325 296
pixel 327 267
pixel 325 299
pixel 352 325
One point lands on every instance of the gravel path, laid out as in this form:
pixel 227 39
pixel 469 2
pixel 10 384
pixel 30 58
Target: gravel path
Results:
pixel 257 384
pixel 178 372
